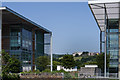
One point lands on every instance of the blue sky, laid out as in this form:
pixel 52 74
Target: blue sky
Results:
pixel 72 23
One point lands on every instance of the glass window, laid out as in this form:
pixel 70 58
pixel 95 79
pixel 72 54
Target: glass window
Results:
pixel 27 40
pixel 15 40
pixel 113 42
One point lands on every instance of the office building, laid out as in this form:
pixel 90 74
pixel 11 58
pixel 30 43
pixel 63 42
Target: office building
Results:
pixel 23 38
pixel 107 16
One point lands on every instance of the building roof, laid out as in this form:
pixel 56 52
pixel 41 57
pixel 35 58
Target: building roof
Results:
pixel 91 66
pixel 17 18
pixel 99 7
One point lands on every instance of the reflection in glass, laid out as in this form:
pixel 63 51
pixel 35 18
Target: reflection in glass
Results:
pixel 113 43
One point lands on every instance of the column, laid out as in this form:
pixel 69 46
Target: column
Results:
pixel 105 43
pixel 0 41
pixel 51 66
pixel 119 52
pixel 100 41
pixel 33 48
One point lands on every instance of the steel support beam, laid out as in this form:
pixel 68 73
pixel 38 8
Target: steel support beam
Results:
pixel 105 52
pixel 51 66
pixel 0 42
pixel 119 46
pixel 100 41
pixel 119 52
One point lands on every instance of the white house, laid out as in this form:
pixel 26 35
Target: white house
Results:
pixel 59 67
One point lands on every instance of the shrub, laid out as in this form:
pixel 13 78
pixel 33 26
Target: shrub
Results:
pixel 37 71
pixel 46 70
pixel 10 77
pixel 67 75
pixel 62 71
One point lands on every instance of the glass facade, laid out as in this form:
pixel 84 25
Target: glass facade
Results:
pixel 21 44
pixel 39 43
pixel 26 47
pixel 113 44
pixel 23 38
pixel 15 42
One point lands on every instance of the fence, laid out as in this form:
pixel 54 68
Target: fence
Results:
pixel 98 75
pixel 67 76
pixel 41 75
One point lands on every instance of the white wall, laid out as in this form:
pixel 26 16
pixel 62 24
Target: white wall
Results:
pixel 59 67
pixel 26 68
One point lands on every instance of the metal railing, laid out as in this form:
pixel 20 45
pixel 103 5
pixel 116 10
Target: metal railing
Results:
pixel 98 75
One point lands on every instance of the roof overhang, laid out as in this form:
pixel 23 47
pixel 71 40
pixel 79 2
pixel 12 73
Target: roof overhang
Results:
pixel 11 17
pixel 100 7
pixel 102 1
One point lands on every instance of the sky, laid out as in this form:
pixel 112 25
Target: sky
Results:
pixel 45 0
pixel 72 23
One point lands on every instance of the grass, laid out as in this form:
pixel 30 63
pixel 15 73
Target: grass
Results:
pixel 77 58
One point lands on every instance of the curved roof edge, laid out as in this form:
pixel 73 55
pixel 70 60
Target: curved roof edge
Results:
pixel 28 20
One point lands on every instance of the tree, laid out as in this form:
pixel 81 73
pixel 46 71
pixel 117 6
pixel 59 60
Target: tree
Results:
pixel 42 62
pixel 78 63
pixel 14 65
pixel 55 63
pixel 85 60
pixel 89 63
pixel 100 61
pixel 85 53
pixel 10 64
pixel 88 58
pixel 68 61
pixel 5 57
pixel 77 55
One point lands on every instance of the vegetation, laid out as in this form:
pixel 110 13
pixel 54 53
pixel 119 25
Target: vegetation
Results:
pixel 25 72
pixel 85 53
pixel 57 56
pixel 42 62
pixel 77 58
pixel 55 63
pixel 14 65
pixel 10 77
pixel 68 61
pixel 80 61
pixel 46 70
pixel 100 61
pixel 76 55
pixel 10 65
pixel 88 59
